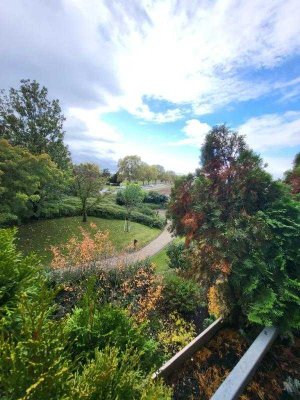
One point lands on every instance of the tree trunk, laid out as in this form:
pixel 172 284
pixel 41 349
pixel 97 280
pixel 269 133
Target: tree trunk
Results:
pixel 84 214
pixel 128 222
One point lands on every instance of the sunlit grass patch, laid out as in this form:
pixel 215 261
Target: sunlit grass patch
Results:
pixel 38 236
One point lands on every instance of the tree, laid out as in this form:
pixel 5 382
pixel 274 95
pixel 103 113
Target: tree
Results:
pixel 151 173
pixel 170 176
pixel 130 167
pixel 160 174
pixel 88 182
pixel 28 183
pixel 115 179
pixel 241 229
pixel 106 174
pixel 132 195
pixel 292 177
pixel 143 172
pixel 29 119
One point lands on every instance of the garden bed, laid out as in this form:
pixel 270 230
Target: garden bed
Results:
pixel 200 377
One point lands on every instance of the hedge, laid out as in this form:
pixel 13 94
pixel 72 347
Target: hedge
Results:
pixel 71 206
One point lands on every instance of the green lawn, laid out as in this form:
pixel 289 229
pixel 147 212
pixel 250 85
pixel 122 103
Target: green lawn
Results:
pixel 161 261
pixel 38 236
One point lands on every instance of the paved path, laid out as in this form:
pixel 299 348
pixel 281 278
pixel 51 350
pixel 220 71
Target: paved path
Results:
pixel 149 250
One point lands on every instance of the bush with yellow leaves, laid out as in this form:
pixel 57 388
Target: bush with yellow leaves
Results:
pixel 219 304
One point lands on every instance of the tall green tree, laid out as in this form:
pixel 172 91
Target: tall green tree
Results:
pixel 88 181
pixel 130 168
pixel 132 196
pixel 160 172
pixel 29 119
pixel 28 183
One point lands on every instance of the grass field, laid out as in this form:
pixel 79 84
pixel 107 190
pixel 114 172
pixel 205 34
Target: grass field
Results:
pixel 161 261
pixel 38 236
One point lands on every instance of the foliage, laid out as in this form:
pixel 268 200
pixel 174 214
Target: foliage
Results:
pixel 292 177
pixel 92 327
pixel 271 258
pixel 219 304
pixel 132 196
pixel 38 236
pixel 88 182
pixel 118 212
pixel 177 255
pixel 115 179
pixel 142 292
pixel 33 364
pixel 68 206
pixel 175 334
pixel 155 197
pixel 242 229
pixel 44 357
pixel 116 375
pixel 92 247
pixel 182 295
pixel 132 168
pixel 129 168
pixel 15 271
pixel 27 183
pixel 30 120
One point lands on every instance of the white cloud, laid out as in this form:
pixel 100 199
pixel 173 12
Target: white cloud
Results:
pixel 118 53
pixel 197 55
pixel 272 131
pixel 94 127
pixel 195 132
pixel 144 113
pixel 277 165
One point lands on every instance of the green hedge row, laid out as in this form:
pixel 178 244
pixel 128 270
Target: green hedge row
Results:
pixel 71 206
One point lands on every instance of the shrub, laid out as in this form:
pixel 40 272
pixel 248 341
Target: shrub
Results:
pixel 15 271
pixel 33 364
pixel 92 327
pixel 219 299
pixel 181 295
pixel 117 212
pixel 155 197
pixel 175 333
pixel 177 256
pixel 35 347
pixel 70 206
pixel 75 253
pixel 146 210
pixel 119 198
pixel 115 374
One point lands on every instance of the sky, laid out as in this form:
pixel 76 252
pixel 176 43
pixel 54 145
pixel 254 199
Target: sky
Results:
pixel 151 77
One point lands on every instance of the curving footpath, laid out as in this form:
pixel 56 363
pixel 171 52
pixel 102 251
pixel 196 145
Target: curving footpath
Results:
pixel 149 250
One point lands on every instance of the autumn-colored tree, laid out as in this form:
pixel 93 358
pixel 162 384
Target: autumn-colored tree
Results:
pixel 29 119
pixel 227 214
pixel 88 182
pixel 292 177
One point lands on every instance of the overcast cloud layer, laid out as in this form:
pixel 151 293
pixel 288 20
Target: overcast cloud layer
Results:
pixel 173 67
